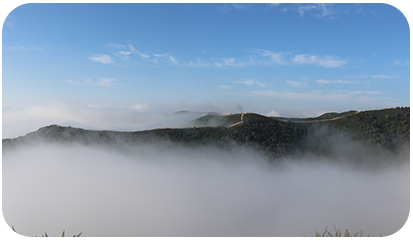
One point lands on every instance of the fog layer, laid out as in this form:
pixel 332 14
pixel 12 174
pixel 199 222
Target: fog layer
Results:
pixel 153 191
pixel 20 120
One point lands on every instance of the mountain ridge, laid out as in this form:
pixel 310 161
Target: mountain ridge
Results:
pixel 273 138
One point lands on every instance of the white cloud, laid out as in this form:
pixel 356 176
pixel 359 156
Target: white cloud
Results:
pixel 381 76
pixel 245 82
pixel 273 113
pixel 259 57
pixel 24 48
pixel 115 45
pixel 125 55
pixel 198 64
pixel 166 58
pixel 173 60
pixel 401 62
pixel 296 83
pixel 323 9
pixel 321 81
pixel 274 4
pixel 145 56
pixel 337 95
pixel 223 8
pixel 106 82
pixel 9 22
pixel 101 58
pixel 240 6
pixel 326 62
pixel 250 82
pixel 76 83
pixel 260 84
pixel 139 107
pixel 229 61
pixel 344 81
pixel 225 86
pixel 339 81
pixel 273 57
pixel 160 55
pixel 301 9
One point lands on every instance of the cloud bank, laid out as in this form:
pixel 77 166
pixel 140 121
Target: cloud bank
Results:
pixel 20 120
pixel 158 191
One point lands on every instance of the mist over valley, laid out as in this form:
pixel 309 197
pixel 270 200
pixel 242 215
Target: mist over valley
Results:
pixel 262 176
pixel 206 120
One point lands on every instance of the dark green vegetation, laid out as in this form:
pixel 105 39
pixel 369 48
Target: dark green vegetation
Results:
pixel 328 135
pixel 325 116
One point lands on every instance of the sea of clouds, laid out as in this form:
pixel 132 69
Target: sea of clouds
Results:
pixel 152 191
pixel 156 191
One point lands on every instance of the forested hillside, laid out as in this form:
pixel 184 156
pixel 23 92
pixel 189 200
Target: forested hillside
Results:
pixel 273 138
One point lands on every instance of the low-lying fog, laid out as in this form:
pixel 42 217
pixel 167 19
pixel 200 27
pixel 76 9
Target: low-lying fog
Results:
pixel 20 120
pixel 153 191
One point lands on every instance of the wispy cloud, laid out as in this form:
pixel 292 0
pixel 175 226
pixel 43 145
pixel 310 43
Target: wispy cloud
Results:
pixel 125 54
pixel 245 82
pixel 274 4
pixel 23 48
pixel 316 95
pixel 401 62
pixel 223 8
pixel 296 83
pixel 105 82
pixel 322 9
pixel 304 8
pixel 266 57
pixel 371 76
pixel 173 60
pixel 381 76
pixel 225 86
pixel 115 45
pixel 339 81
pixel 250 82
pixel 101 58
pixel 8 20
pixel 326 10
pixel 165 58
pixel 326 62
pixel 240 6
pixel 69 81
pixel 257 57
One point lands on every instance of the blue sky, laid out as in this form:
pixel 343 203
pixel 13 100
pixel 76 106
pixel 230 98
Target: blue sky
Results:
pixel 277 59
